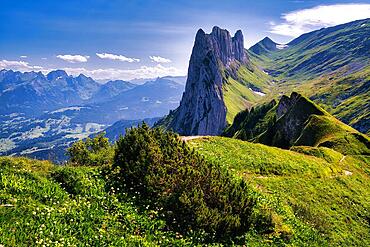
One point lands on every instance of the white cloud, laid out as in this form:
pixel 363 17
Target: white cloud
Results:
pixel 18 65
pixel 127 74
pixel 74 58
pixel 44 58
pixel 117 57
pixel 159 59
pixel 23 56
pixel 301 21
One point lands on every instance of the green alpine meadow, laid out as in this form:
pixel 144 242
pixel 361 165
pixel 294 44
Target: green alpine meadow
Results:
pixel 187 123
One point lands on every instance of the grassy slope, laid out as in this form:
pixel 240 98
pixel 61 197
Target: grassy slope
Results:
pixel 238 96
pixel 315 197
pixel 41 204
pixel 349 98
pixel 329 132
pixel 322 51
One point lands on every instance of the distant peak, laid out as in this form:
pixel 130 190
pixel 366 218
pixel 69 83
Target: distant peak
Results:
pixel 268 39
pixel 264 46
pixel 59 71
pixel 8 71
pixel 82 76
pixel 56 73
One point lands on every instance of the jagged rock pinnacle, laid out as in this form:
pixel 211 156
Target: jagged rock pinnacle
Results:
pixel 202 110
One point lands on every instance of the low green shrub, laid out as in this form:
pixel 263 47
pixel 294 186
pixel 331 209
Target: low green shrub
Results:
pixel 95 151
pixel 194 194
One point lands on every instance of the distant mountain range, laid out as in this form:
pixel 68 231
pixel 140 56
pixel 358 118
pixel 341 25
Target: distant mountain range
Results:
pixel 33 93
pixel 41 115
pixel 111 89
pixel 151 99
pixel 118 129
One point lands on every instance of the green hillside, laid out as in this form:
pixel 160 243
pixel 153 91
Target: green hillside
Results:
pixel 330 66
pixel 322 51
pixel 344 94
pixel 241 93
pixel 319 201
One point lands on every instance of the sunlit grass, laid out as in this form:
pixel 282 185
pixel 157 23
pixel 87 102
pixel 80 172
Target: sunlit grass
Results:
pixel 318 188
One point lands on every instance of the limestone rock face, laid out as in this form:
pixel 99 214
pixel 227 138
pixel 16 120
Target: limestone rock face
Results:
pixel 202 110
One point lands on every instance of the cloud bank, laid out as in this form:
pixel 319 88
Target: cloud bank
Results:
pixel 301 21
pixel 74 58
pixel 127 74
pixel 117 57
pixel 100 74
pixel 159 59
pixel 18 65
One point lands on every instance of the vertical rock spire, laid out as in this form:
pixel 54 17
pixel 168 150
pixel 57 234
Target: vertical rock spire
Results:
pixel 202 110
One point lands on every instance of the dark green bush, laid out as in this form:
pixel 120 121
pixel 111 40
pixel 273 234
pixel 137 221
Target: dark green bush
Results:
pixel 95 151
pixel 194 194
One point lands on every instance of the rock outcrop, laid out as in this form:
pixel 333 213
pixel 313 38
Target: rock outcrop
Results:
pixel 296 121
pixel 292 114
pixel 202 110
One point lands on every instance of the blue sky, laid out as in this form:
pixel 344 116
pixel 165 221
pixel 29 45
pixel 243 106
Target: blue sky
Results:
pixel 110 39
